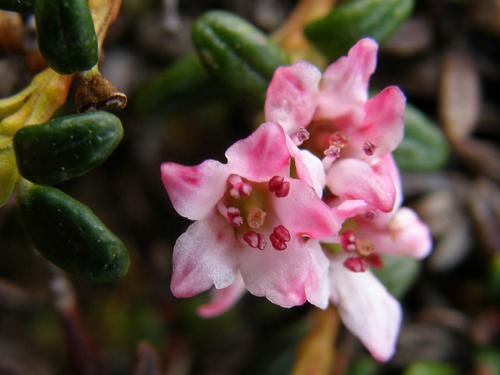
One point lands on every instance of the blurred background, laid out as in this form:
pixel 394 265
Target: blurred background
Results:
pixel 445 57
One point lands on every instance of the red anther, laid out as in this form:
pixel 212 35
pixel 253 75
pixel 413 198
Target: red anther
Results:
pixel 275 183
pixel 348 241
pixel 283 190
pixel 338 139
pixel 282 233
pixel 301 136
pixel 234 216
pixel 239 187
pixel 355 264
pixel 369 148
pixel 279 186
pixel 255 240
pixel 332 151
pixel 277 243
pixel 374 260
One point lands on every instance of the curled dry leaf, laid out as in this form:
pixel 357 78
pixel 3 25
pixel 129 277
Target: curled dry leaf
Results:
pixel 94 93
pixel 459 96
pixel 413 37
pixel 484 202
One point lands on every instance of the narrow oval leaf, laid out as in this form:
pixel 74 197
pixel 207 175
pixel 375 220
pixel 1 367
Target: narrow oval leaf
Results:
pixel 236 53
pixel 67 233
pixel 424 147
pixel 66 35
pixel 66 147
pixel 398 274
pixel 430 368
pixel 346 24
pixel 17 5
pixel 184 83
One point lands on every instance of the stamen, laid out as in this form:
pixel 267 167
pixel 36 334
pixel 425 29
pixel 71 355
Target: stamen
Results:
pixel 300 136
pixel 279 186
pixel 234 217
pixel 369 148
pixel 348 241
pixel 279 237
pixel 255 240
pixel 256 217
pixel 338 139
pixel 375 261
pixel 355 264
pixel 239 187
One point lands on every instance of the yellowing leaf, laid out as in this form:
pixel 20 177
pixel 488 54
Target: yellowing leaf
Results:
pixel 316 352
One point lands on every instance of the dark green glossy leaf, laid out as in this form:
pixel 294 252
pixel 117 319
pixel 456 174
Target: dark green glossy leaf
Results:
pixel 17 5
pixel 237 54
pixel 398 274
pixel 67 233
pixel 424 147
pixel 336 33
pixel 181 85
pixel 66 147
pixel 66 35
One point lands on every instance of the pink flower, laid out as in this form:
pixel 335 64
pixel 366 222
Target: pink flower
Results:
pixel 252 220
pixel 332 116
pixel 365 306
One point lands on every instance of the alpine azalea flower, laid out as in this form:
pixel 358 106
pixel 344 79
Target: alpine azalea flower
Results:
pixel 255 226
pixel 364 304
pixel 332 116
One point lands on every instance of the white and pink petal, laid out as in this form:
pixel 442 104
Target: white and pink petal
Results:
pixel 223 299
pixel 194 191
pixel 291 96
pixel 261 155
pixel 366 308
pixel 204 256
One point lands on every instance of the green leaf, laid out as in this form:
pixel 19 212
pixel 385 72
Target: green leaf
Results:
pixel 178 87
pixel 238 55
pixel 337 32
pixel 67 233
pixel 430 368
pixel 66 35
pixel 424 147
pixel 398 274
pixel 17 5
pixel 66 147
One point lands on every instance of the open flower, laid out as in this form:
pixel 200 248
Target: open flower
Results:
pixel 332 116
pixel 364 304
pixel 252 221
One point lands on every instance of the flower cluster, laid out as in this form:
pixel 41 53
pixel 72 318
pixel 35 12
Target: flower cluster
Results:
pixel 317 175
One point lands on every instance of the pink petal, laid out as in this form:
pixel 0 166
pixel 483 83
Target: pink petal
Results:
pixel 309 168
pixel 354 179
pixel 351 208
pixel 289 277
pixel 383 124
pixel 194 191
pixel 303 212
pixel 291 96
pixel 366 308
pixel 204 256
pixel 260 156
pixel 405 235
pixel 345 83
pixel 223 299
